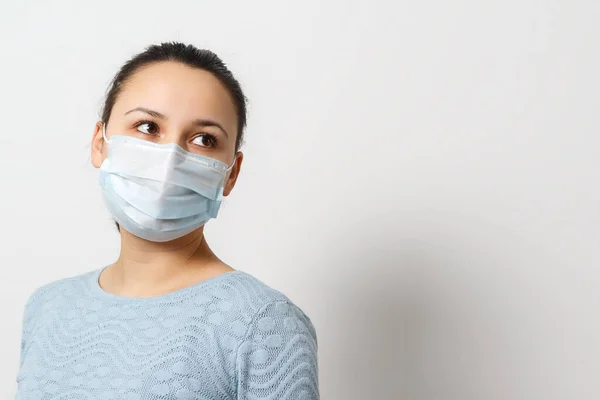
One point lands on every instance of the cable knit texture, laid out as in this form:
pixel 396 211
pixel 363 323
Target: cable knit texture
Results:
pixel 229 337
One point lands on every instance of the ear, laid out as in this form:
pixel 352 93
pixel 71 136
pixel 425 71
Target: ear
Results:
pixel 233 174
pixel 98 145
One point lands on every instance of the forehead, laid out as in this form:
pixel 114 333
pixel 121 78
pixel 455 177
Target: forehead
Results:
pixel 178 91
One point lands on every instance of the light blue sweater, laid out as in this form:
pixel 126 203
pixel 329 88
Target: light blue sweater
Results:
pixel 228 337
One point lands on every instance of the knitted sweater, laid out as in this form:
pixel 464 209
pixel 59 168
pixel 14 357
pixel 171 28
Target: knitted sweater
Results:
pixel 228 337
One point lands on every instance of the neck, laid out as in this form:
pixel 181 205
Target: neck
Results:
pixel 145 264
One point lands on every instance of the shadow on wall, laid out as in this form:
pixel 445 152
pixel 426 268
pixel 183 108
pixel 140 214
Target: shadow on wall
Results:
pixel 395 334
pixel 378 316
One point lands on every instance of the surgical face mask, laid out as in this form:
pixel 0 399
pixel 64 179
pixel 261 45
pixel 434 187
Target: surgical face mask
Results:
pixel 160 192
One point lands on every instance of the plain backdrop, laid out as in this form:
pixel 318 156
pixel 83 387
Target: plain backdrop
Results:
pixel 421 178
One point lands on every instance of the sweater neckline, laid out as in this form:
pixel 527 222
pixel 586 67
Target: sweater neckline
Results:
pixel 101 293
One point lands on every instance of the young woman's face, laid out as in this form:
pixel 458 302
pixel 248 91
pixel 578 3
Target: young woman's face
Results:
pixel 169 102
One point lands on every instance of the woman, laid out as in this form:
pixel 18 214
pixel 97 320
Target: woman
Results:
pixel 169 319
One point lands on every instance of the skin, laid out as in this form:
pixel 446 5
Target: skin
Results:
pixel 182 95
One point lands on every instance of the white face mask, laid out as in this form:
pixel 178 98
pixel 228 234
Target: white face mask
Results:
pixel 160 192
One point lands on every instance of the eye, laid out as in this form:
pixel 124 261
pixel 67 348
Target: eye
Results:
pixel 205 140
pixel 147 127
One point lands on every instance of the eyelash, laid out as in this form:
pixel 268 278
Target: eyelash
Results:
pixel 213 139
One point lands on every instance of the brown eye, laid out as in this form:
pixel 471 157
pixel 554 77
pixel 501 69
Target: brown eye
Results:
pixel 147 127
pixel 205 140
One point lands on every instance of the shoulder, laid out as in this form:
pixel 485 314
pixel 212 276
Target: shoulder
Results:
pixel 46 297
pixel 267 309
pixel 45 294
pixel 260 298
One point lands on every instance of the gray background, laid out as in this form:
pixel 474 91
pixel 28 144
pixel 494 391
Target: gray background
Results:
pixel 421 177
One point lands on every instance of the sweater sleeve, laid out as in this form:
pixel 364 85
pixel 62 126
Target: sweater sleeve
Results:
pixel 25 323
pixel 277 360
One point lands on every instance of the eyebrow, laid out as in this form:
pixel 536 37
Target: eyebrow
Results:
pixel 201 122
pixel 155 114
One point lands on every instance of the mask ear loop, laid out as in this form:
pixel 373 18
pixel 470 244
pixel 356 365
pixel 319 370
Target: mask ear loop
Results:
pixel 104 132
pixel 232 164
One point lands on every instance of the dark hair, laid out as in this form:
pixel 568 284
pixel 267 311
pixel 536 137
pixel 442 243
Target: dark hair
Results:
pixel 190 56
